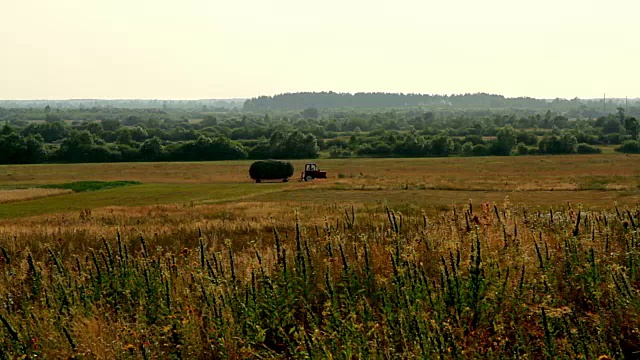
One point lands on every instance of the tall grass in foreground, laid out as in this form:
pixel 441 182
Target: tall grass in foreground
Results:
pixel 475 282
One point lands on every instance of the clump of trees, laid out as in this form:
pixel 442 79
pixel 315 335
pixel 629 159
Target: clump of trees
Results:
pixel 281 145
pixel 17 149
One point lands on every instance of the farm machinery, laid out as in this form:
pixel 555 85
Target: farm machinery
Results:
pixel 311 172
pixel 283 170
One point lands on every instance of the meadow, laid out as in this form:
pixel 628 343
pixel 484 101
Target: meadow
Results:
pixel 514 257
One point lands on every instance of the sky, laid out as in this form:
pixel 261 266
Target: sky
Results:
pixel 206 49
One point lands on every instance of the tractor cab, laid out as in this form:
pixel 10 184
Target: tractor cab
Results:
pixel 311 171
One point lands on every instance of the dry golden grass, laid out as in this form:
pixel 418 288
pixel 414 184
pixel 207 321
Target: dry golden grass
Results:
pixel 446 209
pixel 422 184
pixel 13 195
pixel 87 297
pixel 484 173
pixel 172 233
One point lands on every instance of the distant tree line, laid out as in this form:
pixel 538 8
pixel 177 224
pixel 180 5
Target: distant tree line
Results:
pixel 378 100
pixel 143 135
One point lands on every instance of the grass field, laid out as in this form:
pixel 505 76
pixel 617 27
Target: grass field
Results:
pixel 551 180
pixel 471 258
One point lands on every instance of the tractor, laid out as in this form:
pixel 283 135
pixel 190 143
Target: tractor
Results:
pixel 311 171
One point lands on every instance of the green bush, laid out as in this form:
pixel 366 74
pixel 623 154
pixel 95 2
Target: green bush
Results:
pixel 522 149
pixel 587 149
pixel 630 147
pixel 480 150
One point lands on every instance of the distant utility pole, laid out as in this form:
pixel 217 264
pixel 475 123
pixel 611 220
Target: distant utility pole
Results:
pixel 604 103
pixel 626 104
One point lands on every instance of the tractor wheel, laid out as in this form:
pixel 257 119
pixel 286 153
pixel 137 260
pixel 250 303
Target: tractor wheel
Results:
pixel 285 180
pixel 308 178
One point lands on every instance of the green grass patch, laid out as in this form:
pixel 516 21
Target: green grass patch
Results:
pixel 83 186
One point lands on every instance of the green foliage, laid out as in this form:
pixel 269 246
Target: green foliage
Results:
pixel 441 145
pixel 422 130
pixel 413 145
pixel 206 149
pixel 17 149
pixel 562 143
pixel 326 100
pixel 505 141
pixel 629 146
pixel 310 113
pixel 527 138
pixel 270 170
pixel 522 149
pixel 587 149
pixel 632 127
pixel 612 126
pixel 292 145
pixel 467 148
pixel 110 124
pixel 152 149
pixel 49 131
pixel 480 150
pixel 83 146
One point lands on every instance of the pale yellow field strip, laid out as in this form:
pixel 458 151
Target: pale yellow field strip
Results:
pixel 14 195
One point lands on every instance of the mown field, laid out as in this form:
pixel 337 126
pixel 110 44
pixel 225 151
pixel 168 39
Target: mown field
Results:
pixel 433 182
pixel 516 257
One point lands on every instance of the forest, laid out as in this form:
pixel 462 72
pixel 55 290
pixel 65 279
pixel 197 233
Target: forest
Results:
pixel 199 133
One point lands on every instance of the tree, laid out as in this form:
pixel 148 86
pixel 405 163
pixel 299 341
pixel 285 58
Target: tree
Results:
pixel 441 145
pixel 16 149
pixel 562 143
pixel 262 150
pixel 209 120
pixel 11 148
pixel 94 128
pixel 123 136
pixel 505 141
pixel 111 124
pixel 521 149
pixel 51 118
pixel 467 148
pixel 632 127
pixel 412 146
pixel 294 145
pixel 50 132
pixel 138 133
pixel 206 149
pixel 83 146
pixel 621 115
pixel 629 146
pixel 151 149
pixel 332 126
pixel 612 126
pixel 310 113
pixel 34 150
pixel 6 129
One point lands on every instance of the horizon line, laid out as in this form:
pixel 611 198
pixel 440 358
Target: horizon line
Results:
pixel 318 92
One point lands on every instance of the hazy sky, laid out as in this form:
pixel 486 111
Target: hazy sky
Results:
pixel 191 49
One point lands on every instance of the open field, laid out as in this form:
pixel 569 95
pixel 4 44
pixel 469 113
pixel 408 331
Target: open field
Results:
pixel 432 182
pixel 485 258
